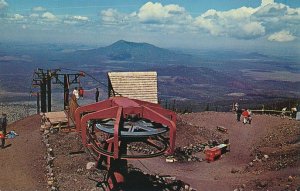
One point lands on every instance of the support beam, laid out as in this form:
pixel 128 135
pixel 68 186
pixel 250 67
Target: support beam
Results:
pixel 38 103
pixel 43 95
pixel 66 91
pixel 49 90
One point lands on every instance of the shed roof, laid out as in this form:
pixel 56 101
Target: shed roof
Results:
pixel 135 85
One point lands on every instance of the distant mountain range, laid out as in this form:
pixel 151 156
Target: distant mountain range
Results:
pixel 135 52
pixel 200 75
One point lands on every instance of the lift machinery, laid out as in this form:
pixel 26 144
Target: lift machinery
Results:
pixel 108 128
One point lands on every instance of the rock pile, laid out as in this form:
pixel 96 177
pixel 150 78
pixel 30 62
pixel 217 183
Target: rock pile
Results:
pixel 46 130
pixel 51 179
pixel 190 153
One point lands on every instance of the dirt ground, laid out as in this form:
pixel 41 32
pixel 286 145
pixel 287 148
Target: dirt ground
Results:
pixel 263 156
pixel 22 160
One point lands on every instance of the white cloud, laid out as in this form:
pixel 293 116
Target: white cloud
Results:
pixel 151 17
pixel 109 15
pixel 279 17
pixel 208 25
pixel 239 23
pixel 253 29
pixel 70 22
pixel 157 18
pixel 271 10
pixel 234 23
pixel 157 13
pixel 80 18
pixel 112 17
pixel 238 14
pixel 3 4
pixel 34 15
pixel 250 23
pixel 39 8
pixel 49 16
pixel 75 19
pixel 266 2
pixel 17 17
pixel 282 36
pixel 152 12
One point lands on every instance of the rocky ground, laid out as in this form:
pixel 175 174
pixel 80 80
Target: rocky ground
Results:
pixel 263 156
pixel 17 110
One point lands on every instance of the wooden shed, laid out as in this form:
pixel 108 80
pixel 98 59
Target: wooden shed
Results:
pixel 135 85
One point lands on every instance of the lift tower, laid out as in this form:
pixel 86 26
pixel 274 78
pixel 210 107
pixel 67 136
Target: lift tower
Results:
pixel 43 79
pixel 67 80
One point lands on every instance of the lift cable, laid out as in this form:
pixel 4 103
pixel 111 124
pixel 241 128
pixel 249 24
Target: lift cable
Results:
pixel 29 96
pixel 91 76
pixel 67 69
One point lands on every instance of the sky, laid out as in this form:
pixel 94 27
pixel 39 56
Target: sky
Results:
pixel 236 24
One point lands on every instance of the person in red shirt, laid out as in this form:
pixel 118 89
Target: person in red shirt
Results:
pixel 247 116
pixel 81 92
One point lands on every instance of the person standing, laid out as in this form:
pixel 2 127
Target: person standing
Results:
pixel 3 124
pixel 76 93
pixel 238 114
pixel 247 116
pixel 294 112
pixel 97 95
pixel 236 106
pixel 81 92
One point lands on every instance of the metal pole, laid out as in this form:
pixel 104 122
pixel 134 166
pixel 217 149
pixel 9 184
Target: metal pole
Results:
pixel 49 90
pixel 38 103
pixel 43 95
pixel 66 91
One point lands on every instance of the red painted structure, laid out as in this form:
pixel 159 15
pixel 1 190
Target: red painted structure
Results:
pixel 109 127
pixel 213 154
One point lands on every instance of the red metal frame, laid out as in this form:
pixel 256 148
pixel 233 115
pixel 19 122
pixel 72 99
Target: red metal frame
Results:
pixel 119 108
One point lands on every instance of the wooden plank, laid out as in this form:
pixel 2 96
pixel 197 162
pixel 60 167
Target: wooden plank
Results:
pixel 56 117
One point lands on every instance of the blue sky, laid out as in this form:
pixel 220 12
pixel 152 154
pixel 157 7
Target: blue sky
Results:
pixel 243 24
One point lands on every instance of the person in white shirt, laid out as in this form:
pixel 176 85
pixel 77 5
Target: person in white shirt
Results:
pixel 76 93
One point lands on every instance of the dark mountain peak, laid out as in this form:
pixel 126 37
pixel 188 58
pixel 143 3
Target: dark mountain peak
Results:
pixel 135 52
pixel 121 43
pixel 127 44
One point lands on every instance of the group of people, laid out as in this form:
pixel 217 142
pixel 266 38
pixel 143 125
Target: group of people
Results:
pixel 293 112
pixel 78 93
pixel 242 112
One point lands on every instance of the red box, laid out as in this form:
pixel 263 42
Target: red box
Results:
pixel 212 154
